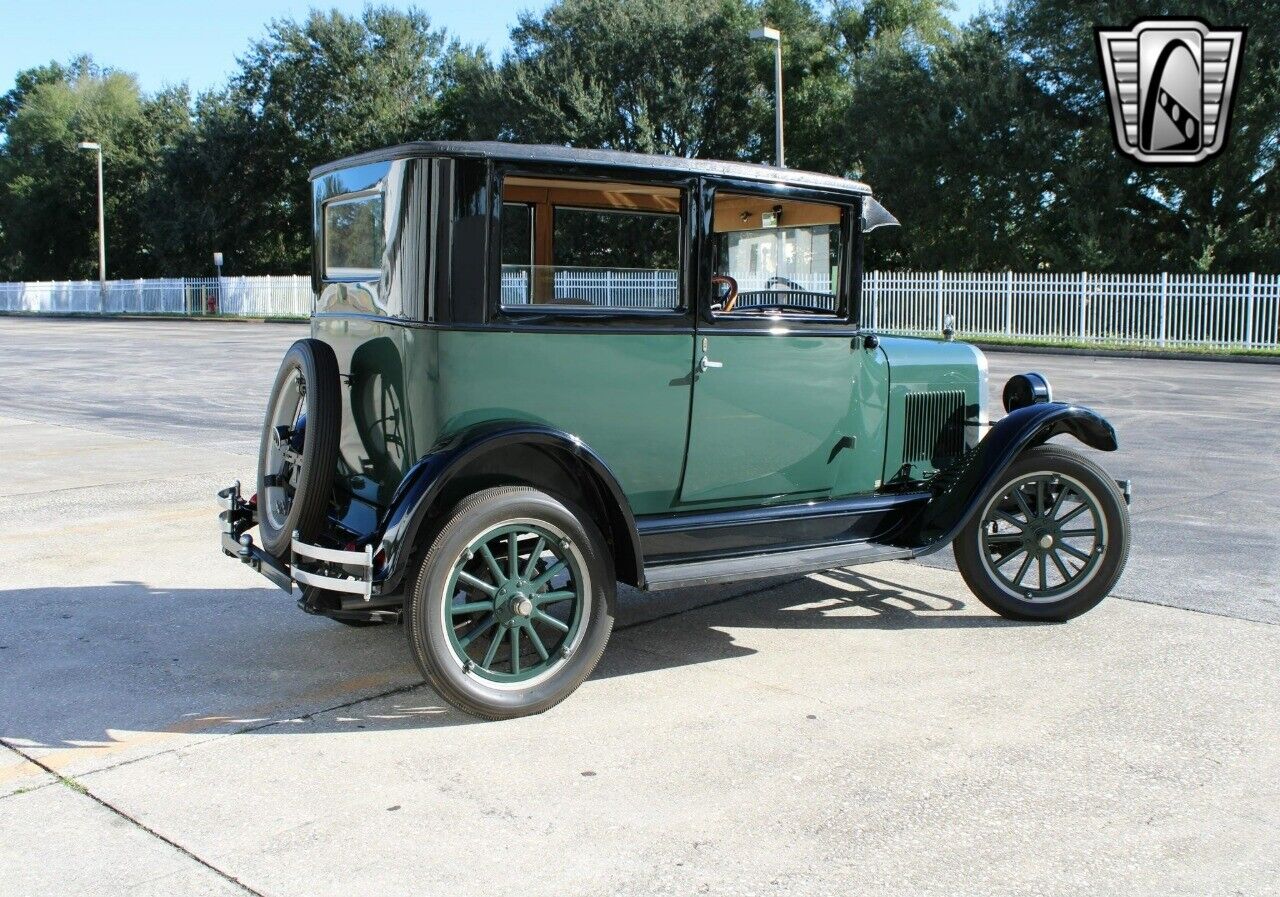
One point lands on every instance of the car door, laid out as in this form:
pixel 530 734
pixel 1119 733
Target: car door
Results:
pixel 590 330
pixel 787 401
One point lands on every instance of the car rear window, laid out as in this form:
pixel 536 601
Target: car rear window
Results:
pixel 353 237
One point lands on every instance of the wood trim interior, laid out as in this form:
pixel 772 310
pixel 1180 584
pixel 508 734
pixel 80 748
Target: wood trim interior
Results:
pixel 592 194
pixel 735 212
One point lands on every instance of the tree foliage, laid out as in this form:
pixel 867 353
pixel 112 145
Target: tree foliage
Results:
pixel 989 139
pixel 48 187
pixel 307 93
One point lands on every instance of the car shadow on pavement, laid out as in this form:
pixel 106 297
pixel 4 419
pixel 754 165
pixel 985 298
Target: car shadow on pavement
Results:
pixel 835 600
pixel 89 667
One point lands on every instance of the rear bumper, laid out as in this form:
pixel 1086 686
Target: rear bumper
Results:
pixel 362 561
pixel 348 572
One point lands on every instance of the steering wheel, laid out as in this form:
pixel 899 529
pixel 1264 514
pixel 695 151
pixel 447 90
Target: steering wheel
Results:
pixel 731 298
pixel 791 285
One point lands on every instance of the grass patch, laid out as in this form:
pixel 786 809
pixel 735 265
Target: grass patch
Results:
pixel 72 784
pixel 1110 346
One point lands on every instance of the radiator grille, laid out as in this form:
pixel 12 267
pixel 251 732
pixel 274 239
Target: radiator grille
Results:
pixel 934 427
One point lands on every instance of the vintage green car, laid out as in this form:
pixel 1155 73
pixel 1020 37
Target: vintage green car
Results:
pixel 535 372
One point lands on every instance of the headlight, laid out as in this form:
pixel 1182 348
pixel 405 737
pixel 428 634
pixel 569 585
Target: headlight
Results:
pixel 1026 389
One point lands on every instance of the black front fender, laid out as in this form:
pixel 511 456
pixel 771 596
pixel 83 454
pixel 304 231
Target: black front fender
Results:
pixel 961 490
pixel 418 496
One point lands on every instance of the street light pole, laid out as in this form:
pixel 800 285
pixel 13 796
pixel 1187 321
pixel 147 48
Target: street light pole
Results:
pixel 102 228
pixel 774 35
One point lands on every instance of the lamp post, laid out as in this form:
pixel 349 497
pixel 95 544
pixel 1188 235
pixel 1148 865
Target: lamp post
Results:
pixel 774 35
pixel 102 233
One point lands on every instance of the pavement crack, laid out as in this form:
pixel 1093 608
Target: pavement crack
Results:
pixel 1195 610
pixel 28 790
pixel 398 690
pixel 80 788
pixel 256 727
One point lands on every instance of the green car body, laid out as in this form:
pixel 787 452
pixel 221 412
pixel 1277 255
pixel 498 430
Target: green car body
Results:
pixel 630 397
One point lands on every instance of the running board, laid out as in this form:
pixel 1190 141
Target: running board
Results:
pixel 759 566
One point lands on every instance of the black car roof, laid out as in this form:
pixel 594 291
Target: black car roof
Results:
pixel 563 155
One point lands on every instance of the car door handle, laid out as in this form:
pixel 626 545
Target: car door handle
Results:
pixel 706 364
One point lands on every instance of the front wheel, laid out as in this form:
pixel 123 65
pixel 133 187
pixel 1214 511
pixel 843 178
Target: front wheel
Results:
pixel 1049 540
pixel 512 605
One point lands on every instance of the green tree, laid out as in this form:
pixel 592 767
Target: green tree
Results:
pixel 1120 216
pixel 990 140
pixel 656 76
pixel 48 188
pixel 817 87
pixel 307 93
pixel 947 136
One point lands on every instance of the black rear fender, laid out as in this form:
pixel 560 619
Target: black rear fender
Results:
pixel 498 453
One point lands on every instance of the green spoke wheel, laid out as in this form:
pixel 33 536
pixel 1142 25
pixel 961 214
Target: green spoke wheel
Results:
pixel 502 584
pixel 512 604
pixel 1049 539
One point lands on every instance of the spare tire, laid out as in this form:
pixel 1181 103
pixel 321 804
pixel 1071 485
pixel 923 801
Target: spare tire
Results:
pixel 299 449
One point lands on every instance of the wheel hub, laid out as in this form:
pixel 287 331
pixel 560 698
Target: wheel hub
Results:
pixel 513 602
pixel 1046 541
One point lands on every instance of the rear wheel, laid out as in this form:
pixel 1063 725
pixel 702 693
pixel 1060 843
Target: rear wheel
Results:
pixel 512 605
pixel 1050 539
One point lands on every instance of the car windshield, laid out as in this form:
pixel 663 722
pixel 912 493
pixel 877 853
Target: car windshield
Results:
pixel 776 255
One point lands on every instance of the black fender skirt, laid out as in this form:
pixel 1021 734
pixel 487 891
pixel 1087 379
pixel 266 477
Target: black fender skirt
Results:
pixel 961 489
pixel 416 498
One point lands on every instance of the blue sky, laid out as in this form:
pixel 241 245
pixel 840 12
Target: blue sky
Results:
pixel 165 42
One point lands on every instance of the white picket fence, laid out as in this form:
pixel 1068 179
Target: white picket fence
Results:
pixel 1160 310
pixel 611 287
pixel 1220 310
pixel 642 287
pixel 286 296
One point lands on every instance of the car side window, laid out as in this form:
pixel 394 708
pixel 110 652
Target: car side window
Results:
pixel 354 240
pixel 584 244
pixel 775 255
